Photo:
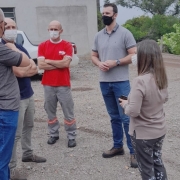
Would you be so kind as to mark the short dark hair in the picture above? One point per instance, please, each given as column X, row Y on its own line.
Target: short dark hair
column 115, row 9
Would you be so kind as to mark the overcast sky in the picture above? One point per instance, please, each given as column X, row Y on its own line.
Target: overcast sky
column 125, row 13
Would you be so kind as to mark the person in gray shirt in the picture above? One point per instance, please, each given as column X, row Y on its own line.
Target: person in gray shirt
column 112, row 51
column 9, row 99
column 26, row 109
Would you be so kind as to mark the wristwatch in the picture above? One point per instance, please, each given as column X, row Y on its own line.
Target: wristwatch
column 117, row 62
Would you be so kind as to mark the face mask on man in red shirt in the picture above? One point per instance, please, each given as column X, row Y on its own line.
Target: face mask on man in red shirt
column 54, row 34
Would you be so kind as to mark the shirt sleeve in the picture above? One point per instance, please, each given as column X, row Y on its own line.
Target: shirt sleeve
column 129, row 40
column 41, row 50
column 10, row 57
column 69, row 50
column 95, row 45
column 135, row 99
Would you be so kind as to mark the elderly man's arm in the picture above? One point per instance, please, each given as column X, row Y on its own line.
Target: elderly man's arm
column 28, row 71
column 25, row 59
column 64, row 63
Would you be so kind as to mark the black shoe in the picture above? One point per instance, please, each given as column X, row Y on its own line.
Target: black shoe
column 113, row 152
column 34, row 158
column 71, row 143
column 52, row 140
column 133, row 161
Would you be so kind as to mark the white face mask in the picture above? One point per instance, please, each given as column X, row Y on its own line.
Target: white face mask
column 134, row 59
column 10, row 35
column 54, row 34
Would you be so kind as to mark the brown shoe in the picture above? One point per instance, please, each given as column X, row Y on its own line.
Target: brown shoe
column 133, row 161
column 34, row 158
column 113, row 152
column 18, row 174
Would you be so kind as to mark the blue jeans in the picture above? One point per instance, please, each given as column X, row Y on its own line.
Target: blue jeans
column 111, row 91
column 8, row 125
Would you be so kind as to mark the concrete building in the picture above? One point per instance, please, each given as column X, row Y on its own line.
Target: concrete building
column 78, row 18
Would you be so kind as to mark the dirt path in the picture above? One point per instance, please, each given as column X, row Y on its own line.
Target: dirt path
column 171, row 60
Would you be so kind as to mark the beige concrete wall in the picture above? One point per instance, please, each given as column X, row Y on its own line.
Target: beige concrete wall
column 78, row 18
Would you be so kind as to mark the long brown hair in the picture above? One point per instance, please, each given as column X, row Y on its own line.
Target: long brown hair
column 150, row 60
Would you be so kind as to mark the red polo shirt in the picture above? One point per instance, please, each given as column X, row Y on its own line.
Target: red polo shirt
column 52, row 51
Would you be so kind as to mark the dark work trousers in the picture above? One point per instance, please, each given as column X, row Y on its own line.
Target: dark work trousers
column 148, row 155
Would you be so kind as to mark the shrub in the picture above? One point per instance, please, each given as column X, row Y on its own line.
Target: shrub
column 172, row 40
column 145, row 27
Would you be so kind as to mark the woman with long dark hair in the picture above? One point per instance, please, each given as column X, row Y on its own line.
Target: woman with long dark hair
column 145, row 108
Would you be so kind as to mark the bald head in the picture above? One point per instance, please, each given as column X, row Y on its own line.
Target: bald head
column 1, row 23
column 1, row 15
column 55, row 23
column 10, row 24
column 10, row 32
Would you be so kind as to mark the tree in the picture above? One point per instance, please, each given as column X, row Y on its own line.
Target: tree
column 145, row 27
column 154, row 7
column 99, row 20
column 139, row 27
column 161, row 25
column 99, row 16
column 172, row 40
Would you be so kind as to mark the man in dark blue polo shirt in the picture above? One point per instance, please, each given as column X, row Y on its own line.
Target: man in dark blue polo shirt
column 27, row 108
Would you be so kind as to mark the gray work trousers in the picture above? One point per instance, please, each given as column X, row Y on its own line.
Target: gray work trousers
column 24, row 129
column 61, row 94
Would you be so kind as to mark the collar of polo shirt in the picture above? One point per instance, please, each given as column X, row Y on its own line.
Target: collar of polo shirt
column 114, row 30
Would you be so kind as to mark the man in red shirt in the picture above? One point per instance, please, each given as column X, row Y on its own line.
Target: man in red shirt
column 54, row 56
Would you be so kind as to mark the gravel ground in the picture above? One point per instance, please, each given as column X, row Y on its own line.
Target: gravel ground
column 85, row 162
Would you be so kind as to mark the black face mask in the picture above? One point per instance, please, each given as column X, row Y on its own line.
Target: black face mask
column 107, row 20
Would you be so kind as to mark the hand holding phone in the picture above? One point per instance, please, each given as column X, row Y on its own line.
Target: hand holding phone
column 123, row 97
